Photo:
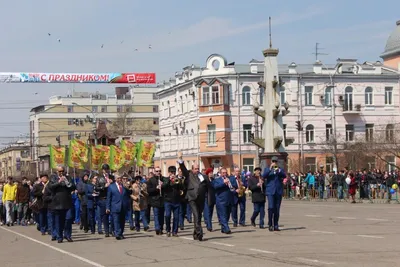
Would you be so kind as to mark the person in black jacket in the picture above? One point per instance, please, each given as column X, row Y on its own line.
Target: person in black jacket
column 257, row 188
column 173, row 189
column 81, row 187
column 38, row 192
column 61, row 202
column 209, row 202
column 156, row 199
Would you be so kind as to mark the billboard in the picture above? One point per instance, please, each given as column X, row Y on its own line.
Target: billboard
column 113, row 77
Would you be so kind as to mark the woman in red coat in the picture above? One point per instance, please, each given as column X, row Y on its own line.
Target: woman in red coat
column 352, row 187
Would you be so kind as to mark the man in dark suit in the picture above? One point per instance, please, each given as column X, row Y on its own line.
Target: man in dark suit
column 209, row 201
column 256, row 186
column 239, row 200
column 156, row 199
column 91, row 196
column 225, row 187
column 273, row 176
column 118, row 201
column 61, row 202
column 197, row 185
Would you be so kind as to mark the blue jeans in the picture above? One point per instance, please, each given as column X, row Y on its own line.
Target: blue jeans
column 140, row 215
column 129, row 217
column 91, row 214
column 43, row 221
column 51, row 224
column 340, row 192
column 174, row 209
column 143, row 217
column 259, row 209
column 158, row 218
column 60, row 217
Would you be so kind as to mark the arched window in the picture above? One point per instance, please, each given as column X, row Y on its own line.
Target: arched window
column 246, row 96
column 348, row 98
column 310, row 133
column 369, row 96
column 390, row 132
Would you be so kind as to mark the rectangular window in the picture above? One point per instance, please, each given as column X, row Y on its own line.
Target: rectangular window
column 328, row 131
column 282, row 96
column 328, row 96
column 248, row 164
column 329, row 164
column 349, row 132
column 70, row 121
column 368, row 96
column 390, row 163
column 155, row 121
column 155, row 96
column 103, row 108
column 70, row 135
column 155, row 109
column 369, row 132
column 215, row 95
column 70, row 109
column 308, row 96
column 119, row 108
column 211, row 134
column 226, row 95
column 128, row 109
column 206, row 96
column 388, row 96
column 246, row 133
column 370, row 163
column 310, row 164
column 94, row 109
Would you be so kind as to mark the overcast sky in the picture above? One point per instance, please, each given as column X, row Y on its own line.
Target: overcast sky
column 181, row 33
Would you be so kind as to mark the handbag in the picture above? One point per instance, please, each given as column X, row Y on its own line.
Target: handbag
column 36, row 204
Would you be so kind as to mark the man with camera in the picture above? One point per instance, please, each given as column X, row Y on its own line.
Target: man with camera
column 273, row 179
column 173, row 189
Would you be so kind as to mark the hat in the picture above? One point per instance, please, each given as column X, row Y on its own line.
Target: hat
column 208, row 171
column 257, row 169
column 274, row 158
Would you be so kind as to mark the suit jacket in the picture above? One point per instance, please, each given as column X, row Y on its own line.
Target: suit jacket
column 154, row 198
column 235, row 194
column 257, row 194
column 89, row 195
column 61, row 196
column 194, row 188
column 118, row 202
column 273, row 181
column 223, row 194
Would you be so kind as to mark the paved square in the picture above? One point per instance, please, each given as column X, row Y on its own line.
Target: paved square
column 313, row 234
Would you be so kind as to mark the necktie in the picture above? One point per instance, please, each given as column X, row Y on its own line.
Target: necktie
column 120, row 188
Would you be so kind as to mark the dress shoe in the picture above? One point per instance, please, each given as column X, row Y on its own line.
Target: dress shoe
column 59, row 241
column 182, row 228
column 175, row 235
column 146, row 229
column 118, row 238
column 200, row 237
column 276, row 229
column 209, row 229
column 107, row 235
column 235, row 225
column 157, row 232
column 53, row 239
column 229, row 232
column 123, row 237
column 70, row 240
column 271, row 228
column 253, row 224
column 101, row 233
column 243, row 224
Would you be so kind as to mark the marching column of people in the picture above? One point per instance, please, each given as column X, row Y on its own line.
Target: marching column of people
column 107, row 201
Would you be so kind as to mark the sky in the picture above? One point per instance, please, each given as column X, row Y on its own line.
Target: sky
column 180, row 33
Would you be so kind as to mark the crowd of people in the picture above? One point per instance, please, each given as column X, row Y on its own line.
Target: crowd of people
column 108, row 200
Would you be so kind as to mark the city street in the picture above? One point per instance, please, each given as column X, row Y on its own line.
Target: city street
column 313, row 234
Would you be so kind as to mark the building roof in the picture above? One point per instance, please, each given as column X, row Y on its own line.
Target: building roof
column 103, row 131
column 392, row 47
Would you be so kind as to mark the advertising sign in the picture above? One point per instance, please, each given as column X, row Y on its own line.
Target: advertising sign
column 113, row 77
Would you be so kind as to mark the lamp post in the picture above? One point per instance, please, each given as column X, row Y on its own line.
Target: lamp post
column 256, row 106
column 93, row 122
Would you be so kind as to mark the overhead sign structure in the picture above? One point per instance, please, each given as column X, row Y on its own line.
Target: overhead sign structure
column 113, row 77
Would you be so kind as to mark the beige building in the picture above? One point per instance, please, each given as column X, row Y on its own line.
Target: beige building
column 131, row 111
column 15, row 160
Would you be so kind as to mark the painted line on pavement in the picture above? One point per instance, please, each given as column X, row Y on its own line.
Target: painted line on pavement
column 222, row 244
column 187, row 238
column 371, row 236
column 378, row 220
column 262, row 251
column 322, row 232
column 92, row 263
column 313, row 216
column 345, row 218
column 316, row 261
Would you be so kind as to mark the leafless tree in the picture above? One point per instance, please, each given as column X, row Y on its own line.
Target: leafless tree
column 126, row 124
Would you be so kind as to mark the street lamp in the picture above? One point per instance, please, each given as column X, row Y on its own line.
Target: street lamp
column 93, row 122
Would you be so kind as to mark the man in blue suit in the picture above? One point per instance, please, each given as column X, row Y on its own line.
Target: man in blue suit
column 239, row 200
column 224, row 189
column 118, row 201
column 273, row 177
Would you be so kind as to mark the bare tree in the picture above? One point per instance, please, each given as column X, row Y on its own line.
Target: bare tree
column 126, row 124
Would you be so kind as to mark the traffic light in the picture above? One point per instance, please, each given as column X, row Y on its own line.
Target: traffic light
column 298, row 126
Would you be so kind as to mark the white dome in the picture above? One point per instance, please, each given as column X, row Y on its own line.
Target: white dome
column 393, row 43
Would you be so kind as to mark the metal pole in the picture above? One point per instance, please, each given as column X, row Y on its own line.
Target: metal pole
column 301, row 123
column 333, row 119
column 256, row 135
column 239, row 126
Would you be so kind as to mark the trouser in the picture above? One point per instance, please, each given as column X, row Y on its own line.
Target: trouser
column 158, row 218
column 91, row 218
column 60, row 217
column 22, row 212
column 182, row 213
column 77, row 210
column 242, row 205
column 129, row 217
column 51, row 224
column 171, row 208
column 259, row 209
column 119, row 222
column 2, row 213
column 274, row 206
column 43, row 221
column 141, row 215
column 197, row 207
column 85, row 218
column 69, row 218
column 224, row 214
column 104, row 218
column 10, row 211
column 208, row 214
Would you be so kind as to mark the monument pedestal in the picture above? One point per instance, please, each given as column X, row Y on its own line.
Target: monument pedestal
column 265, row 159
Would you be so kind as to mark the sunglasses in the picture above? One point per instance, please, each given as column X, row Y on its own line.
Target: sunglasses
column 157, row 171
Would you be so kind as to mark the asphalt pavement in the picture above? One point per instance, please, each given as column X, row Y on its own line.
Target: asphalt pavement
column 313, row 234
